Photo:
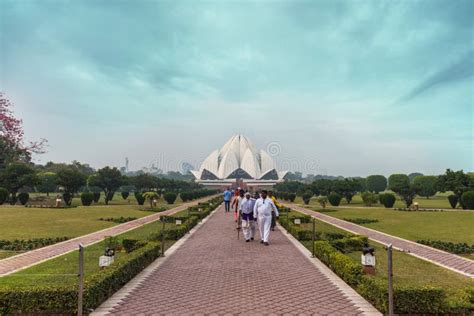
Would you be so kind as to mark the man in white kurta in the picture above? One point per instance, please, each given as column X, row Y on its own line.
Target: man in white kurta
column 246, row 210
column 263, row 212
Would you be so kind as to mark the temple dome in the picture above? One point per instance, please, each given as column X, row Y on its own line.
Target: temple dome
column 238, row 159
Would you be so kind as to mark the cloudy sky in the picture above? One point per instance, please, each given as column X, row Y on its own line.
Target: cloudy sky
column 337, row 87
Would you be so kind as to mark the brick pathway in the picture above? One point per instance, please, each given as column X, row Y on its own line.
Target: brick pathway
column 30, row 258
column 214, row 273
column 444, row 259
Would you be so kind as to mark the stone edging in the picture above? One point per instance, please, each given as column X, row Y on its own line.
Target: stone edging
column 346, row 290
column 106, row 307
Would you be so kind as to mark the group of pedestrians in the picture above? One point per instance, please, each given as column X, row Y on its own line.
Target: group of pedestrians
column 259, row 209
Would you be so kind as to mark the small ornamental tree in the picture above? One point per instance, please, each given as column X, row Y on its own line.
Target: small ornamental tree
column 387, row 199
column 87, row 198
column 456, row 181
column 334, row 199
column 108, row 179
column 96, row 196
column 139, row 197
column 67, row 197
column 369, row 198
column 291, row 197
column 17, row 175
column 376, row 183
column 307, row 197
column 425, row 185
column 3, row 195
column 23, row 197
column 150, row 196
column 400, row 184
column 170, row 197
column 48, row 182
column 468, row 200
column 323, row 201
column 71, row 180
column 125, row 195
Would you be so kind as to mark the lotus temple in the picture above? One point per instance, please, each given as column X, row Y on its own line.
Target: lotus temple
column 238, row 164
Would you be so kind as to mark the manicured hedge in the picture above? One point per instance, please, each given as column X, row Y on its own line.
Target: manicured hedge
column 119, row 220
column 408, row 300
column 457, row 248
column 361, row 220
column 29, row 244
column 349, row 244
column 342, row 265
column 99, row 287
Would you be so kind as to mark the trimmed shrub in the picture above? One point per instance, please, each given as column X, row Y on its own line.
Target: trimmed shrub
column 291, row 197
column 333, row 236
column 334, row 199
column 67, row 197
column 359, row 221
column 387, row 199
column 453, row 200
column 467, row 199
column 170, row 197
column 307, row 197
column 457, row 248
column 140, row 198
column 350, row 271
column 23, row 197
column 369, row 198
column 132, row 244
column 87, row 198
column 30, row 244
column 125, row 195
column 349, row 244
column 118, row 220
column 408, row 300
column 96, row 197
column 3, row 195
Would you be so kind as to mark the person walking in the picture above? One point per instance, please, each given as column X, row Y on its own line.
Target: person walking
column 237, row 203
column 262, row 210
column 227, row 198
column 278, row 206
column 246, row 210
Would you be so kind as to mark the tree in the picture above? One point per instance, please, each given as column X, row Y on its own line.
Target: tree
column 453, row 200
column 413, row 175
column 346, row 188
column 125, row 194
column 456, row 181
column 151, row 196
column 323, row 200
column 400, row 184
column 17, row 175
column 3, row 195
column 170, row 197
column 376, row 183
column 12, row 147
column 48, row 182
column 307, row 197
column 369, row 198
column 144, row 182
column 71, row 180
column 322, row 186
column 108, row 179
column 87, row 198
column 425, row 185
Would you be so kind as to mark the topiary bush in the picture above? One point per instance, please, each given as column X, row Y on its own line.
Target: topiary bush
column 453, row 200
column 307, row 197
column 132, row 244
column 23, row 197
column 291, row 197
column 3, row 195
column 467, row 199
column 170, row 197
column 125, row 195
column 87, row 198
column 334, row 199
column 140, row 198
column 369, row 198
column 96, row 197
column 67, row 197
column 387, row 199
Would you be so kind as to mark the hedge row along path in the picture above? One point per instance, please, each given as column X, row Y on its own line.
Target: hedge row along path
column 444, row 259
column 213, row 273
column 31, row 258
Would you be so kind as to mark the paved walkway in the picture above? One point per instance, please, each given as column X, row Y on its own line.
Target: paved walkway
column 30, row 258
column 444, row 259
column 213, row 273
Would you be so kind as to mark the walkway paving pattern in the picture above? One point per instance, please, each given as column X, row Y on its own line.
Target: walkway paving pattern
column 214, row 273
column 447, row 260
column 27, row 259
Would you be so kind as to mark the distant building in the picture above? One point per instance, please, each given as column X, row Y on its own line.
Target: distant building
column 238, row 163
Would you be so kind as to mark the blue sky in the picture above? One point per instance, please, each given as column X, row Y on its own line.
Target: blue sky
column 344, row 87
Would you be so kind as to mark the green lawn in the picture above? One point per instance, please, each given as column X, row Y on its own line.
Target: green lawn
column 454, row 226
column 408, row 270
column 62, row 270
column 438, row 201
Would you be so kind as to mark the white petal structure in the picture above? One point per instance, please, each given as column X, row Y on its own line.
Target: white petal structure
column 238, row 159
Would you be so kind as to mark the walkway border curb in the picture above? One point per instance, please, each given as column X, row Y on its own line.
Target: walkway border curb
column 106, row 307
column 347, row 291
